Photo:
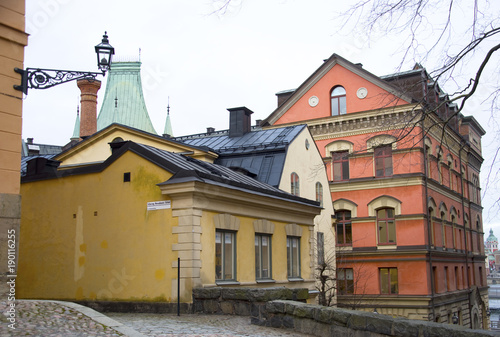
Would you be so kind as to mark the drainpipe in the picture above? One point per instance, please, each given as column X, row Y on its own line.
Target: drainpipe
column 429, row 220
column 463, row 143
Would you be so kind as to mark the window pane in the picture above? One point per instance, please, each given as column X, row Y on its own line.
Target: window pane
column 289, row 256
column 345, row 170
column 342, row 105
column 390, row 212
column 228, row 256
column 257, row 257
column 218, row 255
column 388, row 166
column 391, row 231
column 265, row 257
column 384, row 281
column 348, row 233
column 379, row 167
column 382, row 232
column 394, row 280
column 295, row 258
column 338, row 91
column 337, row 171
column 335, row 106
column 340, row 233
column 381, row 213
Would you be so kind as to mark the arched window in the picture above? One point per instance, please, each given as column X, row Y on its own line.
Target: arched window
column 319, row 193
column 338, row 101
column 295, row 187
column 386, row 226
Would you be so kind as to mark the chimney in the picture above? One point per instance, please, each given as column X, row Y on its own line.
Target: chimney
column 210, row 130
column 88, row 116
column 239, row 121
column 284, row 95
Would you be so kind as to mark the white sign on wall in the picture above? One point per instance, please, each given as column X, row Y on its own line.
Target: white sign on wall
column 155, row 205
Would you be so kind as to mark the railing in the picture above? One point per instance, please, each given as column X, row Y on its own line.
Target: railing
column 494, row 293
column 495, row 325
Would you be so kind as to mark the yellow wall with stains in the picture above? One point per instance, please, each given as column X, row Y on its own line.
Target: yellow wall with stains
column 90, row 236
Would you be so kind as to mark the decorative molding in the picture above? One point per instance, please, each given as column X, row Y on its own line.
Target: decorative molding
column 340, row 204
column 339, row 145
column 293, row 230
column 263, row 226
column 226, row 221
column 384, row 201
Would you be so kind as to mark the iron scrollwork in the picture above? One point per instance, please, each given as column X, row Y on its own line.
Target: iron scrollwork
column 36, row 78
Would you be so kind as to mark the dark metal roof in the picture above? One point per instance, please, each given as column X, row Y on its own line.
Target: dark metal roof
column 184, row 168
column 39, row 149
column 26, row 159
column 260, row 152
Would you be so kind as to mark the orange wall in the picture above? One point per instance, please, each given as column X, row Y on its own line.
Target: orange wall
column 351, row 82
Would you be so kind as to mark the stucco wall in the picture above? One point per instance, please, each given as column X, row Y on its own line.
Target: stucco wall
column 13, row 39
column 91, row 236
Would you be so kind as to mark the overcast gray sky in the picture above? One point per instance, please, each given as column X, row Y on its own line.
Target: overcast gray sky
column 207, row 62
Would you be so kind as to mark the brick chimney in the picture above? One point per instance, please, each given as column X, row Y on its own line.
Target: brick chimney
column 239, row 121
column 88, row 115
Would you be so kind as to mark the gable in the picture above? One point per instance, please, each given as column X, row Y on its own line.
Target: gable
column 96, row 148
column 336, row 72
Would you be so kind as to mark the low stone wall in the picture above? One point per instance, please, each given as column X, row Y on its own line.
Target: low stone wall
column 327, row 321
column 143, row 307
column 242, row 301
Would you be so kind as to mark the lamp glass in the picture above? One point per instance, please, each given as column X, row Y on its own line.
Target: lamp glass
column 104, row 53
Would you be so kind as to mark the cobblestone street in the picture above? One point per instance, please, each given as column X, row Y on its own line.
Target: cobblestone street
column 55, row 318
column 197, row 325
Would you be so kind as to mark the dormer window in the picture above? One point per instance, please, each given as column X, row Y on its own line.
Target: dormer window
column 338, row 101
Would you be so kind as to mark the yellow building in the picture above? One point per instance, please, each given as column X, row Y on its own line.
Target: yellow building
column 109, row 222
column 13, row 39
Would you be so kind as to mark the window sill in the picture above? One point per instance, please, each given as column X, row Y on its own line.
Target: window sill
column 295, row 279
column 227, row 283
column 390, row 246
column 265, row 281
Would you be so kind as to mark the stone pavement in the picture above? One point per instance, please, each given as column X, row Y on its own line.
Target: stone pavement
column 56, row 318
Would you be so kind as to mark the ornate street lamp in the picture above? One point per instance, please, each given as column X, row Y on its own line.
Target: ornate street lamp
column 37, row 78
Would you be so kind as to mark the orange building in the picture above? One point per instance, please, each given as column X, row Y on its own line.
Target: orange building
column 405, row 190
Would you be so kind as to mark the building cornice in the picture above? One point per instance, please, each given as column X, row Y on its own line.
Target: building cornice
column 206, row 196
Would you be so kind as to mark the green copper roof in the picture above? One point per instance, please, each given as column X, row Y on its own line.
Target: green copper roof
column 168, row 126
column 76, row 130
column 123, row 101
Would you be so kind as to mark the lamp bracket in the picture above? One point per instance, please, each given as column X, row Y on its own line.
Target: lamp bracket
column 36, row 78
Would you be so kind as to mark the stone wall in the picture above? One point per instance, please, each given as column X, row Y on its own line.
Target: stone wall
column 327, row 321
column 242, row 301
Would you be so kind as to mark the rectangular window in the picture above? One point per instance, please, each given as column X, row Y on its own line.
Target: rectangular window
column 386, row 226
column 344, row 228
column 388, row 280
column 446, row 279
column 340, row 162
column 345, row 281
column 383, row 161
column 456, row 279
column 321, row 248
column 225, row 255
column 263, row 256
column 293, row 256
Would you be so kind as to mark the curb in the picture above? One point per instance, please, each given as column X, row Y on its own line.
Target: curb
column 98, row 317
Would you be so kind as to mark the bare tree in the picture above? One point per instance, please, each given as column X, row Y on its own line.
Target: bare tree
column 458, row 39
